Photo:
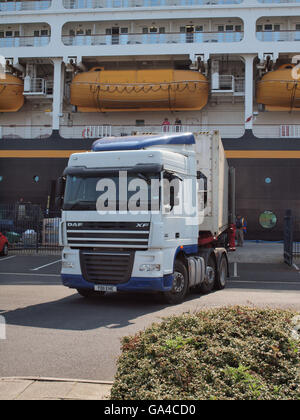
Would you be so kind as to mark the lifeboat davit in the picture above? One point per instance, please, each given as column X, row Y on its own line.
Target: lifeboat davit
column 11, row 93
column 101, row 90
column 279, row 90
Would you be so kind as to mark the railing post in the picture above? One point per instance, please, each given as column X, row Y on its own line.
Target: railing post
column 288, row 238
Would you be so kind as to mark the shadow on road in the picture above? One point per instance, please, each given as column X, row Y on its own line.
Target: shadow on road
column 115, row 310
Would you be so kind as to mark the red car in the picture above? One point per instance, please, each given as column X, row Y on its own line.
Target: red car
column 3, row 245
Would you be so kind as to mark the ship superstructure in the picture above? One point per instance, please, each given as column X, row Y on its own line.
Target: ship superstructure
column 76, row 70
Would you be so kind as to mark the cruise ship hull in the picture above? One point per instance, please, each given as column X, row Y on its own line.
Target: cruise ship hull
column 267, row 178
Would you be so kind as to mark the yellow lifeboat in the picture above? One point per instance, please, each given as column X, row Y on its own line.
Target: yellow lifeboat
column 279, row 90
column 101, row 90
column 11, row 93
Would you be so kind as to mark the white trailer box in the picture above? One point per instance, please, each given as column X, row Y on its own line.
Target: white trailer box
column 211, row 161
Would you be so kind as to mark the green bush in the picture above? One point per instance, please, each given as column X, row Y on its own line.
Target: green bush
column 234, row 353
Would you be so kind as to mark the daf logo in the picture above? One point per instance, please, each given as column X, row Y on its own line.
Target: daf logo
column 74, row 224
column 142, row 225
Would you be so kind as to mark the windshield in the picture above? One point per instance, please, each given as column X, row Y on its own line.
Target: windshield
column 113, row 192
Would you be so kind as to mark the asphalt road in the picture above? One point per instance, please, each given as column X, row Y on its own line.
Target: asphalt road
column 51, row 331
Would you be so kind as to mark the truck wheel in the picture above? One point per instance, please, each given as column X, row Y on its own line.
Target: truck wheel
column 87, row 293
column 180, row 284
column 211, row 274
column 220, row 282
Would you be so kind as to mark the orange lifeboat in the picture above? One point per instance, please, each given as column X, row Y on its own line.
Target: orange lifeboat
column 278, row 90
column 101, row 90
column 11, row 93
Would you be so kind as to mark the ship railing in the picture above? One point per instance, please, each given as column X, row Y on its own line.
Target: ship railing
column 290, row 131
column 239, row 84
column 277, row 36
column 24, row 41
column 276, row 130
column 16, row 6
column 37, row 86
column 93, row 132
column 151, row 38
column 94, row 4
column 25, row 131
column 278, row 1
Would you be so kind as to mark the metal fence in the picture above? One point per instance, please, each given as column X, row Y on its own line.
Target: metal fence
column 291, row 238
column 29, row 228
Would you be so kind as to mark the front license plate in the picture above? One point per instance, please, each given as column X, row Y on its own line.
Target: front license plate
column 104, row 288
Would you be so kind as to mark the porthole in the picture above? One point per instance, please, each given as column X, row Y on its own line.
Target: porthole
column 268, row 180
column 1, row 178
column 267, row 219
column 36, row 178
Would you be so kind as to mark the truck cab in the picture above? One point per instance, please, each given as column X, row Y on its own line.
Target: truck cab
column 132, row 218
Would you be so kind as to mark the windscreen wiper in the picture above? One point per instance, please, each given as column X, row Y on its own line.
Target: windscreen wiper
column 83, row 203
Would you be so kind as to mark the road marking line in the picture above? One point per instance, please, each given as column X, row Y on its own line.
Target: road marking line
column 30, row 274
column 7, row 258
column 263, row 282
column 46, row 265
column 296, row 267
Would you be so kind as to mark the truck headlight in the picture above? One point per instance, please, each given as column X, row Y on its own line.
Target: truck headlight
column 149, row 267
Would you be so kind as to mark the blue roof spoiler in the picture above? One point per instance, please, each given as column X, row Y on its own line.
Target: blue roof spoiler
column 108, row 144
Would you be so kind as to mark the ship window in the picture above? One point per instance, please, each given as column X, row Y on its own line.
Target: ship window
column 199, row 29
column 17, row 33
column 71, row 32
column 297, row 26
column 267, row 219
column 238, row 28
column 268, row 27
column 162, row 30
column 8, row 34
column 268, row 180
column 140, row 123
column 44, row 32
column 1, row 178
column 124, row 30
column 36, row 178
column 108, row 31
column 152, row 29
column 229, row 28
column 276, row 27
column 36, row 33
column 88, row 32
column 259, row 28
column 221, row 28
column 1, row 34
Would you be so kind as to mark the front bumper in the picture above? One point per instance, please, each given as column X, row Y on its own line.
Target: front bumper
column 162, row 284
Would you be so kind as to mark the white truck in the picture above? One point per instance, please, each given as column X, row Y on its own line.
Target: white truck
column 148, row 213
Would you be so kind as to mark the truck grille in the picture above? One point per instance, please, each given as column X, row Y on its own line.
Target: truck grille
column 133, row 235
column 106, row 267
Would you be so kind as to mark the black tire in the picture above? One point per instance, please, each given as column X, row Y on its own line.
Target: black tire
column 211, row 274
column 222, row 274
column 180, row 285
column 88, row 293
column 4, row 251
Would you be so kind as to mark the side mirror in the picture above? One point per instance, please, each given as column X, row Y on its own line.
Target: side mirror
column 59, row 192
